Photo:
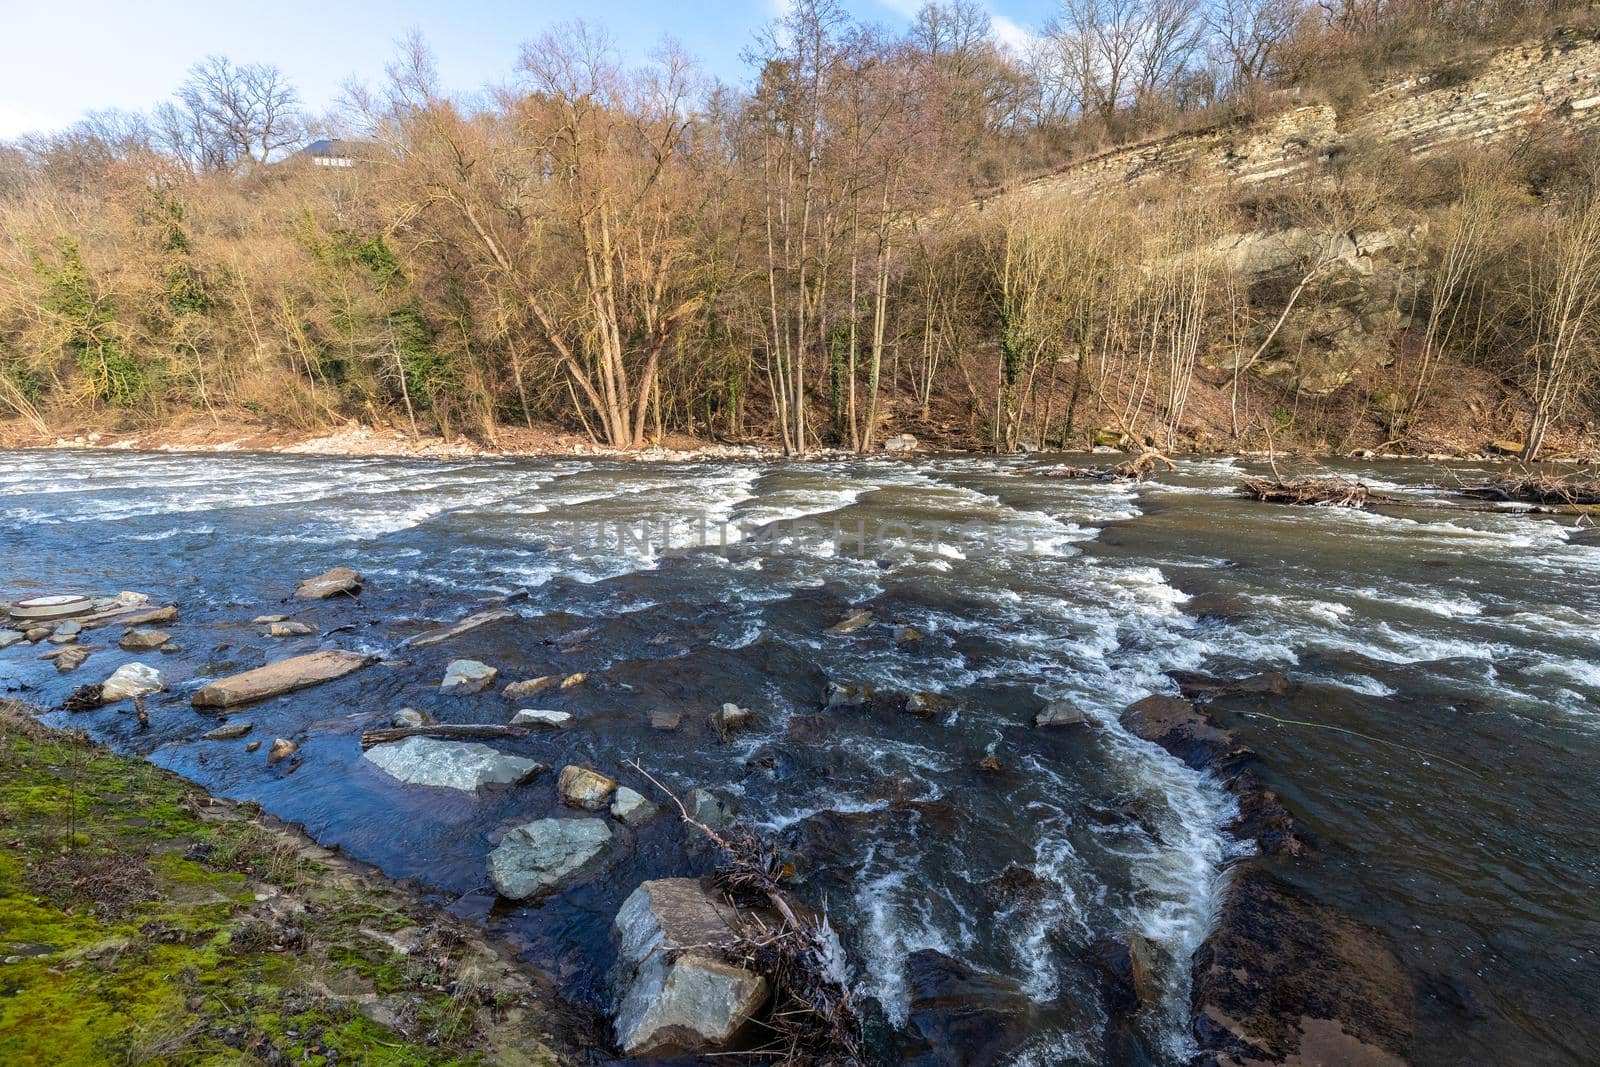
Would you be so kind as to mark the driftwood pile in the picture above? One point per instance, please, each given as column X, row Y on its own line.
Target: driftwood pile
column 1538, row 489
column 1136, row 469
column 1315, row 492
column 813, row 1017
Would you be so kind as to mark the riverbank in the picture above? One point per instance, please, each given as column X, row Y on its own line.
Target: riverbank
column 146, row 921
column 359, row 440
column 356, row 439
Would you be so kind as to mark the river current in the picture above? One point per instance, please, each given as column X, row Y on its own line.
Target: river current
column 1441, row 745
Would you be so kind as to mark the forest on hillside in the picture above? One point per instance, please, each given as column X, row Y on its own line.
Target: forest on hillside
column 818, row 258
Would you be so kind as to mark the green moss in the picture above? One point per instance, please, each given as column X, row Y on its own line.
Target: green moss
column 203, row 972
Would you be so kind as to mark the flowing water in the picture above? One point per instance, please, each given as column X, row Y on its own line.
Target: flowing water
column 1457, row 653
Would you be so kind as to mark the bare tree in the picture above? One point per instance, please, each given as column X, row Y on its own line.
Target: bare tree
column 226, row 115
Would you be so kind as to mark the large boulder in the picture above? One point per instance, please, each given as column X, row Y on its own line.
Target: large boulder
column 132, row 680
column 340, row 581
column 673, row 995
column 534, row 858
column 1287, row 979
column 466, row 676
column 467, row 766
column 961, row 1015
column 285, row 676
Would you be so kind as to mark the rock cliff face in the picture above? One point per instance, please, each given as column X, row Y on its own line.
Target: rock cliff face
column 1479, row 100
column 1360, row 288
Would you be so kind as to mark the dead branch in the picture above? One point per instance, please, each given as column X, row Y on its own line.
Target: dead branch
column 448, row 731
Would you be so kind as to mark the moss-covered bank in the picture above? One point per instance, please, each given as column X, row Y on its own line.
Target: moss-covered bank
column 142, row 921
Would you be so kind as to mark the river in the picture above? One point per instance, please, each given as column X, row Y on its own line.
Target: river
column 1454, row 653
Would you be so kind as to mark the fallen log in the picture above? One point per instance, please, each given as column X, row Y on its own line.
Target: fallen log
column 441, row 731
column 1314, row 492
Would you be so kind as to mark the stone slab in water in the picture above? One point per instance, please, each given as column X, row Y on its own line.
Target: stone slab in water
column 285, row 676
column 536, row 857
column 468, row 676
column 460, row 765
column 466, row 625
column 340, row 581
column 695, row 1003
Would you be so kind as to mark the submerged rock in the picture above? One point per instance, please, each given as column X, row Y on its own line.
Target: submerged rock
column 1179, row 727
column 144, row 640
column 666, row 719
column 731, row 718
column 574, row 679
column 585, row 788
column 132, row 680
column 706, row 807
column 1194, row 685
column 960, row 1015
column 229, row 732
column 282, row 748
column 290, row 628
column 409, row 718
column 466, row 766
column 70, row 659
column 1286, row 979
column 673, row 996
column 840, row 695
column 1060, row 713
column 927, row 705
column 285, row 676
column 522, row 690
column 340, row 581
column 856, row 620
column 631, row 807
column 907, row 635
column 536, row 857
column 559, row 720
column 466, row 676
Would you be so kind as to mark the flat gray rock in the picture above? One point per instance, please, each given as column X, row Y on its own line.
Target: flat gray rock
column 558, row 720
column 465, row 676
column 462, row 765
column 535, row 858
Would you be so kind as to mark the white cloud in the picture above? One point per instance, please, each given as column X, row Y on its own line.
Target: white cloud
column 1011, row 33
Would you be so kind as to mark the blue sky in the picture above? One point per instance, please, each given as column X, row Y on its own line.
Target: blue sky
column 59, row 59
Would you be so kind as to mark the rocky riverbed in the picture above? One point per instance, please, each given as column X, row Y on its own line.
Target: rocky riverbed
column 1082, row 772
